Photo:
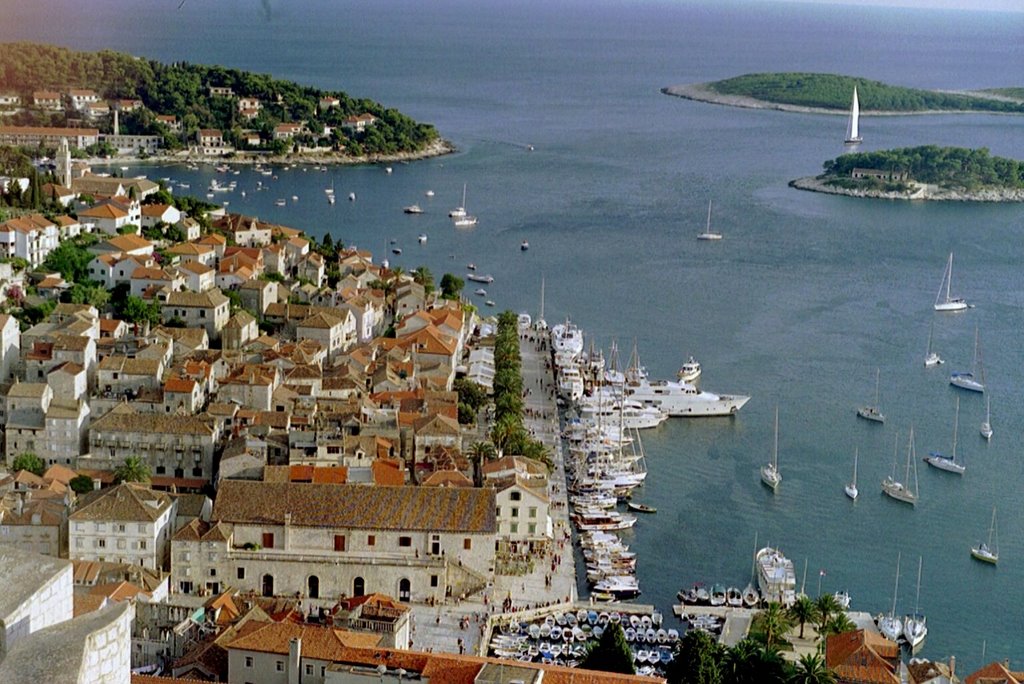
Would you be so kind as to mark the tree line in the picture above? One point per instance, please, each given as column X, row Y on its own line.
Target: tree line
column 182, row 89
column 832, row 91
column 950, row 167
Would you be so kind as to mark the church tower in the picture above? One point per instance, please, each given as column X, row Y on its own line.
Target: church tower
column 64, row 163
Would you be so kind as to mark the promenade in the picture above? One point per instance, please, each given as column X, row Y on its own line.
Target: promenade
column 460, row 625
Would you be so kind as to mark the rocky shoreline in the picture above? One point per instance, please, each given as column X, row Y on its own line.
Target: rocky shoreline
column 921, row 192
column 701, row 92
column 438, row 148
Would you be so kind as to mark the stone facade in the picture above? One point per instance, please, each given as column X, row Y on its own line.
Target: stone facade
column 125, row 524
column 38, row 592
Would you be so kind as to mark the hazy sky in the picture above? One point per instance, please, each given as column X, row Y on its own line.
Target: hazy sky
column 992, row 5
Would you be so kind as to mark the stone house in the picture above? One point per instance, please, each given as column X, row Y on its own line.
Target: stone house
column 128, row 523
column 209, row 309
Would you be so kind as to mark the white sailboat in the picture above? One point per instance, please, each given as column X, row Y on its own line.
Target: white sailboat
column 890, row 625
column 974, row 380
column 930, row 357
column 853, row 136
column 988, row 552
column 851, row 488
column 944, row 301
column 915, row 625
column 901, row 491
column 871, row 412
column 948, row 463
column 709, row 234
column 460, row 217
column 770, row 474
column 986, row 426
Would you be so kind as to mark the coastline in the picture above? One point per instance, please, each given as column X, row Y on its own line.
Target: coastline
column 438, row 148
column 700, row 92
column 923, row 192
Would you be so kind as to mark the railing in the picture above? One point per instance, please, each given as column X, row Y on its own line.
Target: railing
column 339, row 557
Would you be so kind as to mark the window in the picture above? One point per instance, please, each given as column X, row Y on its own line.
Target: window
column 268, row 540
column 467, row 544
column 339, row 542
column 279, row 666
column 79, row 527
column 119, row 527
column 497, row 512
column 532, row 527
column 240, row 573
column 197, row 471
column 515, row 496
column 533, row 511
column 202, row 313
column 405, row 541
column 514, row 528
column 433, row 581
column 142, row 544
column 309, row 670
column 213, row 572
column 101, row 543
column 515, row 512
column 248, row 661
column 358, row 586
column 121, row 543
column 313, row 587
column 371, row 540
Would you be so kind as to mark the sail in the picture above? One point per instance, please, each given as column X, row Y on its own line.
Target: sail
column 853, row 125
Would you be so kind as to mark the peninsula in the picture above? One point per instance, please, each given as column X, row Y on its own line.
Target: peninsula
column 131, row 107
column 812, row 93
column 927, row 172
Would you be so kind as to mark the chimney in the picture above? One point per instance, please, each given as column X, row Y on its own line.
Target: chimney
column 294, row 658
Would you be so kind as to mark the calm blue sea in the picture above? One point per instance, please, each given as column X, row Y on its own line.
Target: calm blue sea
column 804, row 298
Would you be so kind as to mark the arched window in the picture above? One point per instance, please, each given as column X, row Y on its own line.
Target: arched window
column 358, row 587
column 268, row 585
column 313, row 587
column 404, row 590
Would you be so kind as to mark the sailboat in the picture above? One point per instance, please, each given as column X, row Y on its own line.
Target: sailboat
column 988, row 552
column 770, row 474
column 943, row 300
column 970, row 380
column 709, row 234
column 853, row 136
column 459, row 215
column 851, row 489
column 872, row 412
column 930, row 357
column 948, row 463
column 915, row 625
column 890, row 625
column 986, row 426
column 901, row 491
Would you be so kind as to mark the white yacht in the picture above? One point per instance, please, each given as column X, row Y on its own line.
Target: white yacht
column 944, row 301
column 570, row 383
column 689, row 371
column 776, row 577
column 567, row 337
column 680, row 398
column 948, row 463
column 634, row 415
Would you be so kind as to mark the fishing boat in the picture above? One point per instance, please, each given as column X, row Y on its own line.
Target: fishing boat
column 853, row 136
column 871, row 412
column 901, row 491
column 851, row 488
column 986, row 425
column 948, row 463
column 709, row 234
column 943, row 300
column 689, row 371
column 890, row 625
column 973, row 380
column 988, row 552
column 641, row 508
column 413, row 209
column 930, row 357
column 915, row 625
column 770, row 474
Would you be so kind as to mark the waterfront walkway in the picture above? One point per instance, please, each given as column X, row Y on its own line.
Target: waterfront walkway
column 460, row 625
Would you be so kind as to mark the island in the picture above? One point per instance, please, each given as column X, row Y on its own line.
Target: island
column 928, row 172
column 114, row 104
column 813, row 93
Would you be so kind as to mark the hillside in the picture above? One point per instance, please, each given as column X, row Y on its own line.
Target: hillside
column 183, row 90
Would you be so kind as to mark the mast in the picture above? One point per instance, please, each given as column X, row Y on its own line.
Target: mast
column 949, row 278
column 878, row 375
column 856, row 452
column 977, row 356
column 708, row 229
column 956, row 423
column 895, row 455
column 931, row 331
column 775, row 448
column 463, row 195
column 895, row 590
column 542, row 298
column 753, row 561
column 917, row 599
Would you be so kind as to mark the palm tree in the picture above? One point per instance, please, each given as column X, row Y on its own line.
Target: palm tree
column 802, row 610
column 838, row 624
column 775, row 622
column 750, row 662
column 811, row 669
column 134, row 469
column 424, row 277
column 478, row 453
column 825, row 606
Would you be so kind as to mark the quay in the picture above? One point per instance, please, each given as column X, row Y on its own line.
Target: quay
column 461, row 624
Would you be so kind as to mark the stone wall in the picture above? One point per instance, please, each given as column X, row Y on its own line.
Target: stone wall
column 51, row 603
column 107, row 655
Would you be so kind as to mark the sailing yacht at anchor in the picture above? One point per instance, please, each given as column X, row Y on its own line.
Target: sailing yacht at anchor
column 948, row 302
column 853, row 136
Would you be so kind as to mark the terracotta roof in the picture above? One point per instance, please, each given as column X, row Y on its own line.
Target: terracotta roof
column 447, row 478
column 318, row 475
column 180, row 385
column 357, row 506
column 190, row 249
column 199, row 530
column 104, row 211
column 206, row 300
column 126, row 243
column 319, row 643
column 994, row 673
column 125, row 502
column 862, row 656
column 125, row 419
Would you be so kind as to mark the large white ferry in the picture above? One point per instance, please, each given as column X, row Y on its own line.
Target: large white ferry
column 775, row 576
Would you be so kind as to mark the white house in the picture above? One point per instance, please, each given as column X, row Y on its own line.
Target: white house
column 128, row 523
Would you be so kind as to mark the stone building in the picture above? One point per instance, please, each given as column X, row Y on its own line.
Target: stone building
column 128, row 523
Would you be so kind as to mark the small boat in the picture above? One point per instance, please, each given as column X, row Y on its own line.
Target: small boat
column 750, row 596
column 973, row 380
column 459, row 211
column 480, row 278
column 853, row 124
column 770, row 474
column 889, row 625
column 421, row 238
column 396, row 250
column 429, row 193
column 413, row 209
column 351, row 197
column 480, row 292
column 489, row 302
column 466, row 221
column 988, row 552
column 915, row 625
column 280, row 202
column 709, row 234
column 388, row 169
column 901, row 491
column 718, row 595
column 330, row 199
column 948, row 463
column 986, row 426
column 471, row 267
column 733, row 597
column 871, row 412
column 851, row 489
column 930, row 357
column 641, row 508
column 524, row 245
column 295, row 198
column 842, row 599
column 689, row 372
column 943, row 300
column 703, row 595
